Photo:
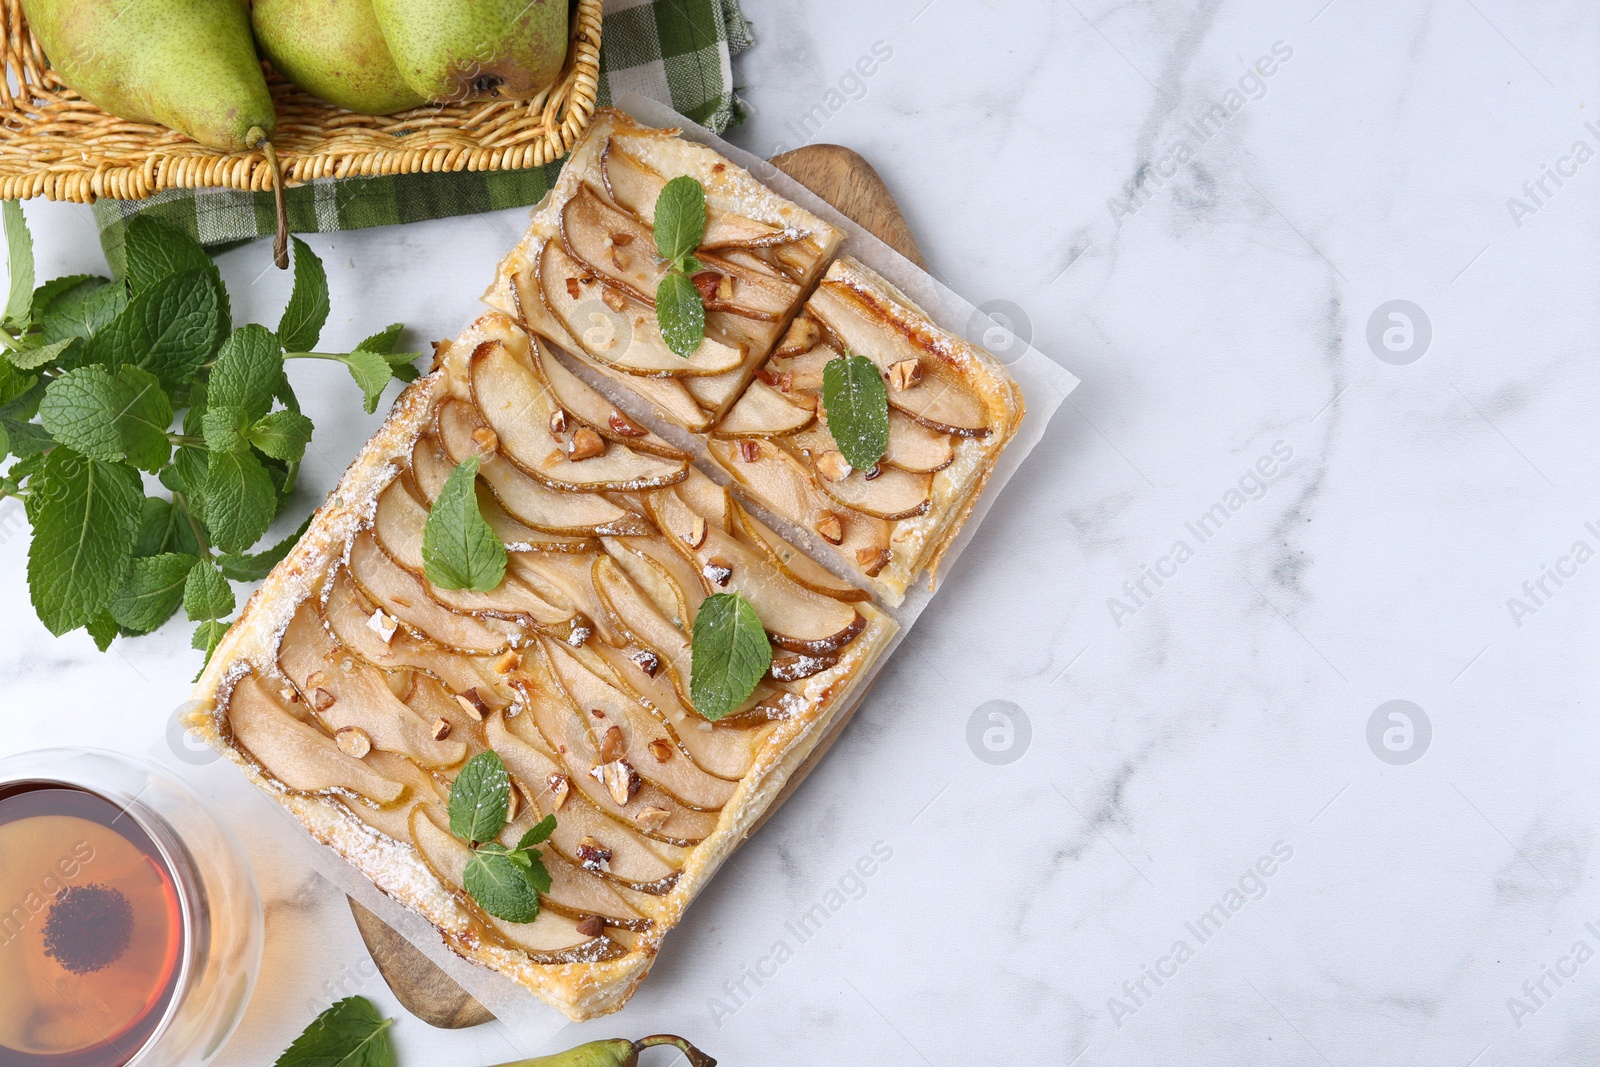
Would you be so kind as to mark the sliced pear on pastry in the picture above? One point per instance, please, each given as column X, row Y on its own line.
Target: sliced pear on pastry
column 634, row 185
column 915, row 447
column 892, row 494
column 637, row 619
column 636, row 345
column 612, row 244
column 795, row 564
column 421, row 789
column 580, row 400
column 403, row 596
column 295, row 753
column 663, row 574
column 518, row 407
column 346, row 695
column 763, row 412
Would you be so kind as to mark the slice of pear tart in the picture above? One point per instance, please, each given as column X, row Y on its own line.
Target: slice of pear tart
column 952, row 409
column 353, row 690
column 586, row 273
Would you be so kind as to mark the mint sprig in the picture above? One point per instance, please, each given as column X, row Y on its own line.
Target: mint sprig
column 459, row 549
column 680, row 220
column 93, row 377
column 857, row 407
column 505, row 882
column 349, row 1034
column 729, row 655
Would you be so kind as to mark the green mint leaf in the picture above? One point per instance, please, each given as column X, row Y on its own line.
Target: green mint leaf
column 208, row 635
column 152, row 591
column 103, row 629
column 153, row 250
column 164, row 527
column 47, row 292
column 207, row 594
column 38, row 356
column 459, row 550
column 680, row 218
column 537, row 834
column 349, row 1034
column 169, row 329
column 108, row 416
column 24, row 439
column 307, row 310
column 857, row 408
column 240, row 500
column 681, row 314
column 248, row 372
column 281, row 435
column 19, row 257
column 252, row 568
column 502, row 887
column 383, row 341
column 187, row 475
column 224, row 428
column 479, row 799
column 85, row 516
column 372, row 373
column 729, row 654
column 83, row 311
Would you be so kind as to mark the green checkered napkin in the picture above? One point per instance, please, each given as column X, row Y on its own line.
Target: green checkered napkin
column 678, row 51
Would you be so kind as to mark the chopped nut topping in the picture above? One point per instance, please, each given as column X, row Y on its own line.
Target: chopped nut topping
column 619, row 778
column 620, row 260
column 831, row 529
column 289, row 695
column 873, row 473
column 347, row 665
column 612, row 745
column 593, row 926
column 905, row 374
column 558, row 422
column 749, row 450
column 441, row 729
column 661, row 749
column 559, row 788
column 321, row 699
column 872, row 560
column 613, row 299
column 554, row 458
column 786, row 382
column 767, row 376
column 621, row 424
column 572, row 288
column 622, row 240
column 696, row 535
column 382, row 625
column 718, row 571
column 803, row 399
column 487, row 440
column 646, row 661
column 507, row 661
column 833, row 466
column 586, row 444
column 718, row 168
column 651, row 818
column 472, row 704
column 593, row 855
column 802, row 337
column 352, row 741
column 314, row 679
column 706, row 283
column 725, row 287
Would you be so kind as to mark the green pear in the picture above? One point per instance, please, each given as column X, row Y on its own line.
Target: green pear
column 189, row 65
column 333, row 49
column 455, row 50
column 617, row 1052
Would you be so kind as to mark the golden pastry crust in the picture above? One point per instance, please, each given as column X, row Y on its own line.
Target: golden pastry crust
column 581, row 990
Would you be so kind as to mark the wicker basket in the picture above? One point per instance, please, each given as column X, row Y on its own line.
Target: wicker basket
column 54, row 144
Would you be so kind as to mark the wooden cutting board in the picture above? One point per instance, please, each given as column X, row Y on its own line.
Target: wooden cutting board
column 848, row 182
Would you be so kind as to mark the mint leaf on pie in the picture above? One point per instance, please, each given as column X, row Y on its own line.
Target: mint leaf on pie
column 479, row 799
column 857, row 408
column 349, row 1034
column 85, row 515
column 152, row 591
column 459, row 550
column 538, row 833
column 680, row 218
column 502, row 887
column 681, row 314
column 307, row 310
column 19, row 257
column 729, row 654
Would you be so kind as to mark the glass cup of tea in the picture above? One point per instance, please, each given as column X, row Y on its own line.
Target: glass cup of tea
column 130, row 922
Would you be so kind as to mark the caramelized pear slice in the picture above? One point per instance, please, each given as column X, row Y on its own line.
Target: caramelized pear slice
column 296, row 753
column 634, row 185
column 580, row 400
column 349, row 695
column 664, row 576
column 431, row 701
column 421, row 789
column 637, row 619
column 570, row 575
column 763, row 412
column 914, row 447
column 550, row 938
column 403, row 596
column 708, row 499
column 941, row 402
column 635, row 860
column 794, row 563
column 892, row 494
column 612, row 244
column 793, row 667
column 575, row 889
column 519, row 407
column 675, row 774
column 643, row 351
column 794, row 617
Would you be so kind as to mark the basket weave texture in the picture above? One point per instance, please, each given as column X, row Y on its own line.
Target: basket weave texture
column 55, row 144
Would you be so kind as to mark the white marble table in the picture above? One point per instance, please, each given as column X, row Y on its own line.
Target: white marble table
column 1366, row 513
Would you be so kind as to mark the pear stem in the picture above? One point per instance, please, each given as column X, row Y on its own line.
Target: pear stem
column 695, row 1056
column 280, row 241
